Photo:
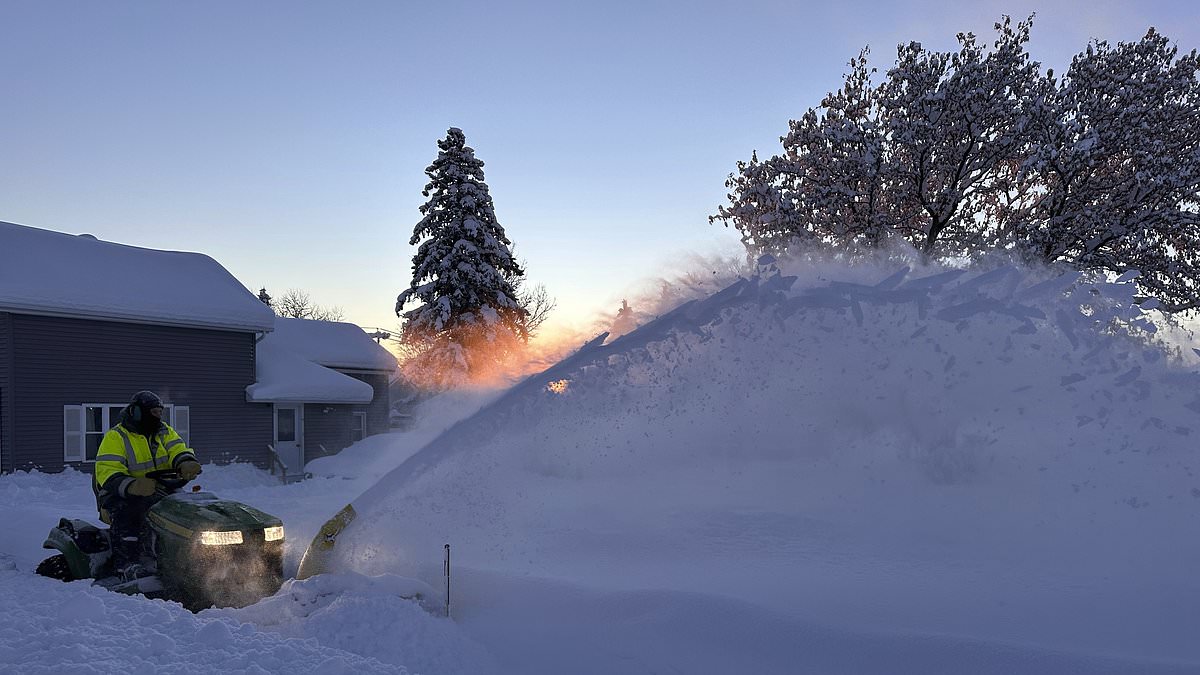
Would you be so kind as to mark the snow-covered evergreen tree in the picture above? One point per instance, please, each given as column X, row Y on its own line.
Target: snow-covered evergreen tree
column 469, row 317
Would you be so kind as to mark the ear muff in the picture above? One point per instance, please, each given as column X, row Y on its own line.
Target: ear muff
column 135, row 412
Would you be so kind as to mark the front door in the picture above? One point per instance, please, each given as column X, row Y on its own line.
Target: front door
column 289, row 437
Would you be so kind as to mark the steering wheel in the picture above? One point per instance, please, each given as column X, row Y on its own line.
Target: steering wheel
column 168, row 478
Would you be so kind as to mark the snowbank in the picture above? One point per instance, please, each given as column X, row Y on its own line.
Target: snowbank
column 994, row 456
column 50, row 627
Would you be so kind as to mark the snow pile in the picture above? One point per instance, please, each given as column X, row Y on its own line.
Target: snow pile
column 32, row 503
column 997, row 456
column 235, row 476
column 50, row 627
column 371, row 616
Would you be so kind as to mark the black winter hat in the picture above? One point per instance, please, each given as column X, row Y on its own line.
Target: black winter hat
column 138, row 416
column 146, row 400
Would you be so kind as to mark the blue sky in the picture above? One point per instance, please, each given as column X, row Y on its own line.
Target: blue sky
column 288, row 140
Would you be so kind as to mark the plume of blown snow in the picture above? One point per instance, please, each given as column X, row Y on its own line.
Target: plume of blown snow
column 935, row 420
column 697, row 275
column 377, row 455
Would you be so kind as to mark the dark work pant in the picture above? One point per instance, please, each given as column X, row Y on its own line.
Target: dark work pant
column 128, row 515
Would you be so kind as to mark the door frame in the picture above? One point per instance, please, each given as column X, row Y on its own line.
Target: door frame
column 299, row 408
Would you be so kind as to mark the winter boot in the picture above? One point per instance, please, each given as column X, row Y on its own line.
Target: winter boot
column 133, row 572
column 126, row 559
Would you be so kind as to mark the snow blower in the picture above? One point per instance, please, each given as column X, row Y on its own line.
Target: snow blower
column 199, row 550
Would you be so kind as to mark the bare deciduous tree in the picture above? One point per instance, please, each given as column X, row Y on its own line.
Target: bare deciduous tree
column 296, row 304
column 1117, row 155
column 969, row 152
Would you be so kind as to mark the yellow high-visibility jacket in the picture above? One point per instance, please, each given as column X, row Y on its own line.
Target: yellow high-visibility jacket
column 125, row 455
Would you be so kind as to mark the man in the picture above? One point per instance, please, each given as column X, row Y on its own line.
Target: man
column 141, row 443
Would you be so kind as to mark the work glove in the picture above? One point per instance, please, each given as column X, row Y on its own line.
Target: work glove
column 189, row 469
column 141, row 487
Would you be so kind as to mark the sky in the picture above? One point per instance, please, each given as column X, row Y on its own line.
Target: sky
column 288, row 140
column 852, row 471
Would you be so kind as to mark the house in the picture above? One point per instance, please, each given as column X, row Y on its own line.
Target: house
column 328, row 384
column 86, row 323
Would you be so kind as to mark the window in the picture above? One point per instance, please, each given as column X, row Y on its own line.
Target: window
column 285, row 425
column 180, row 419
column 84, row 427
column 97, row 420
column 73, row 433
column 358, row 427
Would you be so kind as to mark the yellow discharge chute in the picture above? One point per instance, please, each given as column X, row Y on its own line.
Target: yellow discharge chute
column 316, row 558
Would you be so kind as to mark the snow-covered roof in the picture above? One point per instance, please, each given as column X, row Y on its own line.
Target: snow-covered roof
column 284, row 376
column 295, row 363
column 332, row 344
column 53, row 273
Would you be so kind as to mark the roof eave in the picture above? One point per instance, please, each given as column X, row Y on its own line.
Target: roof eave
column 301, row 399
column 99, row 316
column 357, row 368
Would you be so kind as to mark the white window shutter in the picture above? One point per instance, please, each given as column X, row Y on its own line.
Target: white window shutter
column 73, row 433
column 181, row 421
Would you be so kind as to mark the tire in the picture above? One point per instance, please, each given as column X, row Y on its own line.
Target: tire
column 56, row 567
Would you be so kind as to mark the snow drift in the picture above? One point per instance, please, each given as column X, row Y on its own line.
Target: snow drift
column 1001, row 456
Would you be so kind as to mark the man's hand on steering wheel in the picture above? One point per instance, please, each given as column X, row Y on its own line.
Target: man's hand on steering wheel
column 189, row 469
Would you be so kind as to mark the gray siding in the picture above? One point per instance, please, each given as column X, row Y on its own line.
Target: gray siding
column 329, row 429
column 61, row 361
column 6, row 444
column 332, row 430
column 378, row 409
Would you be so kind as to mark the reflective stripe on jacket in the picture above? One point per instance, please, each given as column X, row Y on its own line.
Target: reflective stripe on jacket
column 125, row 455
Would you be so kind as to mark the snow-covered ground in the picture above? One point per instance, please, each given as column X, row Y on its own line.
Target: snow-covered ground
column 859, row 470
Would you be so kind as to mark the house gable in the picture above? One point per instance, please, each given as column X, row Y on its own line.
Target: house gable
column 336, row 370
column 56, row 274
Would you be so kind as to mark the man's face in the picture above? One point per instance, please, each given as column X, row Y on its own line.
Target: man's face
column 157, row 412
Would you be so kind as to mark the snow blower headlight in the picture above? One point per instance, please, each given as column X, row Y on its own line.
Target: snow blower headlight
column 220, row 538
column 273, row 533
